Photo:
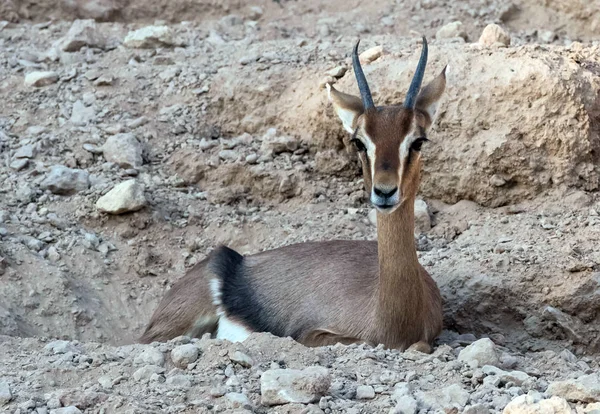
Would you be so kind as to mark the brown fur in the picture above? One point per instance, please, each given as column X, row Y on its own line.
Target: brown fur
column 322, row 293
column 186, row 309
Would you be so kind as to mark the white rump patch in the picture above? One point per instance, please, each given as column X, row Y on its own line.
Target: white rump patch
column 215, row 290
column 231, row 331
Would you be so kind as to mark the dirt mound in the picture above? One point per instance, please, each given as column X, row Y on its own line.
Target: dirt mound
column 482, row 149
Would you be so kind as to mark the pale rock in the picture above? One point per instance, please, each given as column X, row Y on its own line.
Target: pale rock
column 480, row 353
column 157, row 378
column 365, row 392
column 217, row 392
column 105, row 382
column 40, row 79
column 533, row 403
column 53, row 402
column 82, row 115
column 35, row 244
column 169, row 74
column 92, row 148
column 593, row 408
column 228, row 154
column 422, row 217
column 82, row 33
column 493, row 34
column 145, row 372
column 36, row 130
column 53, row 254
column 91, row 241
column 246, row 60
column 19, row 164
column 150, row 356
column 125, row 197
column 547, row 36
column 337, row 72
column 150, row 37
column 61, row 347
column 273, row 144
column 215, row 38
column 586, row 388
column 447, row 399
column 405, row 405
column 255, row 13
column 66, row 410
column 476, row 409
column 401, row 389
column 26, row 151
column 104, row 80
column 283, row 386
column 371, row 55
column 237, row 400
column 183, row 355
column 451, row 30
column 252, row 158
column 5, row 394
column 24, row 193
column 206, row 144
column 138, row 122
column 516, row 377
column 64, row 181
column 124, row 150
column 179, row 381
column 242, row 359
column 568, row 356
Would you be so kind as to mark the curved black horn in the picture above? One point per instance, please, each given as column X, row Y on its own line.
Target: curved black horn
column 415, row 85
column 363, row 86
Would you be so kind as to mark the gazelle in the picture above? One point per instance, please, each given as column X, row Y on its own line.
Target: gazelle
column 321, row 293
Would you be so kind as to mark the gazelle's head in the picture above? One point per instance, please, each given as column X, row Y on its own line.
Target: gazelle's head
column 389, row 138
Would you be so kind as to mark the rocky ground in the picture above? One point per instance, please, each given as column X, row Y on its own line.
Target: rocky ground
column 130, row 146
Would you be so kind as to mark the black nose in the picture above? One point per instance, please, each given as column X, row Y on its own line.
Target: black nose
column 385, row 193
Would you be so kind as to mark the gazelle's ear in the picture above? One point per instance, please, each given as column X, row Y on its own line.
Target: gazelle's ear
column 430, row 95
column 347, row 107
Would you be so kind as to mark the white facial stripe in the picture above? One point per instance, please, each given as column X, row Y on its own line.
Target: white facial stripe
column 405, row 151
column 370, row 146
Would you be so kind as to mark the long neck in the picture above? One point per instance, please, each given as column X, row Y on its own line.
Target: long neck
column 400, row 280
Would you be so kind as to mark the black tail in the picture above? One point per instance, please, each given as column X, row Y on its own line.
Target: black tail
column 239, row 299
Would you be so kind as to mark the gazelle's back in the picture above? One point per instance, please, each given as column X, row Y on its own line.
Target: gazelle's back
column 324, row 287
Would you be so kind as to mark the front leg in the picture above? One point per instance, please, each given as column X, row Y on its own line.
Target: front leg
column 324, row 337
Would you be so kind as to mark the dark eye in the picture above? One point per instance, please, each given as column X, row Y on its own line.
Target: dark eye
column 360, row 147
column 417, row 143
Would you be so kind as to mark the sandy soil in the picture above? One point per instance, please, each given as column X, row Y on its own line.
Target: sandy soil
column 510, row 179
